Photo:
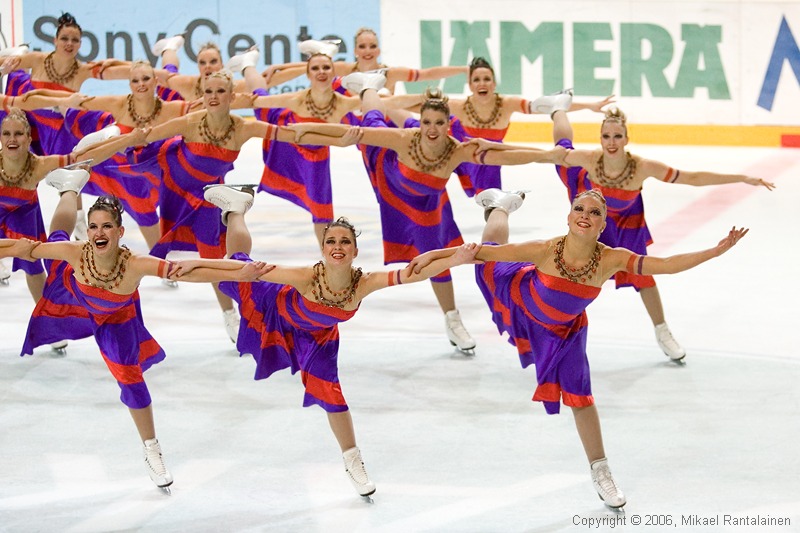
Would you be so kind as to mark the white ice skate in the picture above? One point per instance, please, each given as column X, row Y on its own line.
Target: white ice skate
column 168, row 43
column 232, row 319
column 15, row 51
column 354, row 466
column 668, row 344
column 229, row 199
column 313, row 46
column 357, row 82
column 605, row 486
column 496, row 199
column 239, row 62
column 457, row 333
column 5, row 273
column 81, row 231
column 154, row 462
column 60, row 347
column 97, row 137
column 64, row 180
column 172, row 284
column 547, row 105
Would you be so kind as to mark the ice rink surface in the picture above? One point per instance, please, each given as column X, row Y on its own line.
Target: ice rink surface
column 453, row 443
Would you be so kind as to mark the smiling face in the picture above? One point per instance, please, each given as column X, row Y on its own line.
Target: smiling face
column 209, row 61
column 68, row 41
column 481, row 82
column 217, row 93
column 367, row 49
column 104, row 232
column 613, row 138
column 339, row 245
column 15, row 135
column 142, row 80
column 587, row 216
column 434, row 125
column 319, row 70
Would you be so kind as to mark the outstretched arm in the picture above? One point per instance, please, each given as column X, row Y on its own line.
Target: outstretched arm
column 488, row 153
column 21, row 248
column 661, row 171
column 624, row 260
column 211, row 270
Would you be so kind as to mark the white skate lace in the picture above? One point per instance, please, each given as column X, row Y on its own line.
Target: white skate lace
column 608, row 487
column 154, row 460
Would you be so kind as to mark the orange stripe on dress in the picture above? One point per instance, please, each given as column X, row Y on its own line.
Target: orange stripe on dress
column 576, row 400
column 125, row 374
column 547, row 392
column 423, row 218
column 326, row 391
column 41, row 84
column 275, row 180
column 491, row 134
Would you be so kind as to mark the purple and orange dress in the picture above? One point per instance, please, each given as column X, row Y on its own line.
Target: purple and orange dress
column 48, row 132
column 545, row 318
column 133, row 176
column 282, row 329
column 21, row 217
column 416, row 215
column 625, row 224
column 475, row 178
column 188, row 221
column 298, row 173
column 72, row 310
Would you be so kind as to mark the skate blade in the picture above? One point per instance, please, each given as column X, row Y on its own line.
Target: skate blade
column 5, row 282
column 169, row 283
column 678, row 362
column 166, row 490
column 463, row 351
column 60, row 352
column 368, row 498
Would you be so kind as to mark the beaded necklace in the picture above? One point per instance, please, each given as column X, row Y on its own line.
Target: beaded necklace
column 95, row 278
column 624, row 176
column 576, row 274
column 22, row 176
column 472, row 113
column 429, row 164
column 208, row 135
column 55, row 76
column 142, row 121
column 339, row 299
column 320, row 112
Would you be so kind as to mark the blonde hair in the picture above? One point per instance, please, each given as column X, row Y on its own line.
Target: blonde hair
column 141, row 63
column 596, row 194
column 19, row 115
column 615, row 114
column 210, row 46
column 316, row 54
column 223, row 75
column 436, row 100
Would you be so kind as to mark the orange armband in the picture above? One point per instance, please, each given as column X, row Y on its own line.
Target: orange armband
column 672, row 175
column 634, row 265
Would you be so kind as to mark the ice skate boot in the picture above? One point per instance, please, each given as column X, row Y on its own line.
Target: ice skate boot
column 457, row 333
column 231, row 319
column 60, row 347
column 15, row 51
column 311, row 47
column 5, row 273
column 156, row 468
column 81, row 231
column 64, row 180
column 358, row 82
column 97, row 137
column 168, row 43
column 491, row 199
column 354, row 466
column 547, row 105
column 668, row 344
column 239, row 62
column 604, row 484
column 229, row 199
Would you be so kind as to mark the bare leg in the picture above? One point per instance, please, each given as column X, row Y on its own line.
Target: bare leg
column 371, row 101
column 225, row 301
column 143, row 418
column 496, row 229
column 562, row 129
column 238, row 238
column 652, row 302
column 342, row 426
column 587, row 422
column 254, row 79
column 36, row 285
column 66, row 213
column 151, row 234
column 170, row 57
column 445, row 295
